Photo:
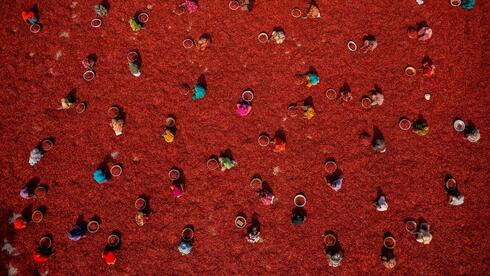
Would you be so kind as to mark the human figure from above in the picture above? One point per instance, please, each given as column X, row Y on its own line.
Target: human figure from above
column 253, row 235
column 243, row 108
column 117, row 125
column 177, row 189
column 388, row 259
column 142, row 216
column 185, row 245
column 334, row 181
column 29, row 17
column 88, row 62
column 455, row 198
column 199, row 92
column 381, row 204
column 42, row 253
column 312, row 79
column 428, row 68
column 424, row 33
column 109, row 256
column 370, row 43
column 27, row 192
column 472, row 135
column 35, row 156
column 420, row 127
column 423, row 234
column 378, row 144
column 334, row 256
column 203, row 42
column 279, row 145
column 309, row 111
column 18, row 221
column 298, row 216
column 313, row 11
column 100, row 176
column 226, row 163
column 168, row 135
column 278, row 36
column 266, row 197
column 77, row 233
column 377, row 98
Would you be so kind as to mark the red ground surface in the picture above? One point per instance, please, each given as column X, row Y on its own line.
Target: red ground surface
column 411, row 172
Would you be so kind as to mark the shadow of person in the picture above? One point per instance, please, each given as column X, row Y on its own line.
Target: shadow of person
column 106, row 4
column 308, row 101
column 32, row 184
column 281, row 134
column 427, row 59
column 72, row 95
column 202, row 81
column 27, row 212
column 369, row 37
column 344, row 88
column 312, row 69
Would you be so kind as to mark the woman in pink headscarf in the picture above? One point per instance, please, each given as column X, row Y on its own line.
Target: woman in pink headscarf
column 191, row 5
column 425, row 33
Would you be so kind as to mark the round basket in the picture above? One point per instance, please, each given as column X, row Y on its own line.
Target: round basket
column 132, row 56
column 352, row 46
column 96, row 23
column 212, row 164
column 93, row 226
column 45, row 242
column 264, row 140
column 299, row 200
column 366, row 102
column 35, row 28
column 80, row 108
column 256, row 184
column 411, row 226
column 410, row 71
column 40, row 192
column 88, row 75
column 234, row 5
column 240, row 222
column 180, row 10
column 296, row 12
column 37, row 216
column 263, row 37
column 405, row 124
column 116, row 170
column 170, row 122
column 143, row 17
column 173, row 174
column 293, row 111
column 459, row 125
column 188, row 43
column 455, row 3
column 329, row 240
column 330, row 167
column 113, row 112
column 451, row 184
column 331, row 94
column 113, row 240
column 247, row 96
column 389, row 242
column 140, row 204
column 187, row 234
column 47, row 145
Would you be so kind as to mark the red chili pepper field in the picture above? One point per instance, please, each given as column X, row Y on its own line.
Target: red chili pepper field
column 37, row 70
